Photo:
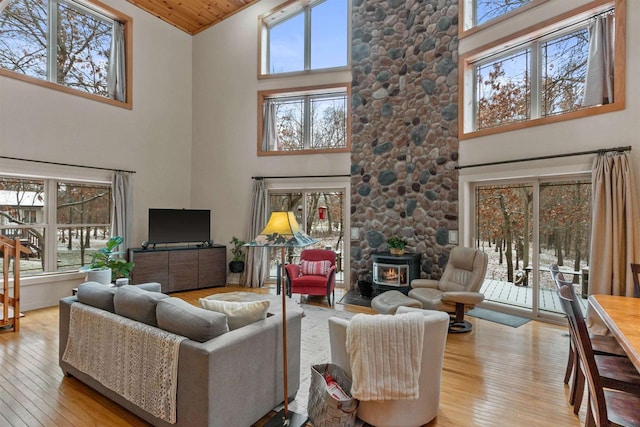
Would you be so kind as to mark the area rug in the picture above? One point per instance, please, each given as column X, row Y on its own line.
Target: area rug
column 353, row 297
column 496, row 317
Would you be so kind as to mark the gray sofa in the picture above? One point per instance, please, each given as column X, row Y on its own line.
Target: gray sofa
column 233, row 379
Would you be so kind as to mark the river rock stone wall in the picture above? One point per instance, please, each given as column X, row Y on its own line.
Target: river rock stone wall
column 404, row 130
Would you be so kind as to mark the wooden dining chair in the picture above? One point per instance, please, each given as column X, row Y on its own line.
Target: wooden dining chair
column 635, row 269
column 606, row 407
column 601, row 344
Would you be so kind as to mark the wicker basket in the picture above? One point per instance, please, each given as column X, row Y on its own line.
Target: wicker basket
column 325, row 410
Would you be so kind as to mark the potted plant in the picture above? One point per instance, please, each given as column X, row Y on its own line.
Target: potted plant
column 105, row 267
column 396, row 245
column 237, row 251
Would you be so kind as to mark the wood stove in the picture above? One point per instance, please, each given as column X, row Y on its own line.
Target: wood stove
column 395, row 271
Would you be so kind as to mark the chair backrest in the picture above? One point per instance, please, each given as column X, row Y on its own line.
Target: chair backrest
column 635, row 269
column 556, row 274
column 318, row 255
column 401, row 412
column 584, row 348
column 465, row 270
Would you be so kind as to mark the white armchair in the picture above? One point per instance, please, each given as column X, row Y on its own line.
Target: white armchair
column 401, row 413
column 458, row 289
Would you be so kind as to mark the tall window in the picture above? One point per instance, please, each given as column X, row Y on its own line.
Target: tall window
column 304, row 121
column 61, row 223
column 65, row 42
column 303, row 37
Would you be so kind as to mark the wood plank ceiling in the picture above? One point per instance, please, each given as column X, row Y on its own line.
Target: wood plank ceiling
column 192, row 16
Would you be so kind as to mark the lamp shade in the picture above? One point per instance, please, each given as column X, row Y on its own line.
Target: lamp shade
column 282, row 230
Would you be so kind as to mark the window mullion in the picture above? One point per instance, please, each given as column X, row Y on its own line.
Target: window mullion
column 307, row 122
column 52, row 42
column 50, row 226
column 307, row 38
column 536, row 80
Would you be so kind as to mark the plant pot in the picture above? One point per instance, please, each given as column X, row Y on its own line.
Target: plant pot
column 102, row 276
column 396, row 251
column 236, row 266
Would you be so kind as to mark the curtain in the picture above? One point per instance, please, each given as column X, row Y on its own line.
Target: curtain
column 255, row 270
column 598, row 86
column 116, row 74
column 121, row 207
column 615, row 242
column 269, row 134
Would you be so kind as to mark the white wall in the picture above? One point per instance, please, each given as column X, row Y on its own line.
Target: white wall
column 154, row 138
column 615, row 129
column 225, row 111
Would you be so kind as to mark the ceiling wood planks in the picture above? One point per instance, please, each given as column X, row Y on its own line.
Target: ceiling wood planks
column 192, row 16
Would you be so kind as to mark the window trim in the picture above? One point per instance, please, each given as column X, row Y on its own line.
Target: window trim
column 127, row 21
column 465, row 14
column 263, row 39
column 301, row 91
column 466, row 81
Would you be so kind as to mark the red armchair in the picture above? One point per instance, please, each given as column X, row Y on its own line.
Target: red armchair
column 315, row 275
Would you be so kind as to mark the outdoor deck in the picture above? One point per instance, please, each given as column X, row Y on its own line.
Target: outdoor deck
column 522, row 296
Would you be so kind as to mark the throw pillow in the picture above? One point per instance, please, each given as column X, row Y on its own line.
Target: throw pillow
column 137, row 304
column 179, row 317
column 314, row 268
column 238, row 314
column 97, row 295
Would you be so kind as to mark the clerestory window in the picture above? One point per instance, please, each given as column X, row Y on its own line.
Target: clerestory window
column 305, row 36
column 304, row 121
column 65, row 43
column 570, row 69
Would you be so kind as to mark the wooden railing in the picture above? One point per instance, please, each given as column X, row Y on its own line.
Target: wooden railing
column 11, row 303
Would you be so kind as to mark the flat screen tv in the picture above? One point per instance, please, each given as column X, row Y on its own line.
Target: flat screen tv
column 179, row 225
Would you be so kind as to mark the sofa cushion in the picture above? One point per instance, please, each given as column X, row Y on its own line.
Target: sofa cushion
column 179, row 317
column 137, row 304
column 97, row 295
column 316, row 268
column 238, row 314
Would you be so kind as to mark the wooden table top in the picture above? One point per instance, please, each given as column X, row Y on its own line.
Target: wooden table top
column 622, row 317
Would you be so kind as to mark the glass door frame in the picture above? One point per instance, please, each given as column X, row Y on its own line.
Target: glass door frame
column 468, row 185
column 315, row 185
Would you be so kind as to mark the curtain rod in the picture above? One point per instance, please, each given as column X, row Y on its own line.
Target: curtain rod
column 259, row 178
column 552, row 156
column 66, row 164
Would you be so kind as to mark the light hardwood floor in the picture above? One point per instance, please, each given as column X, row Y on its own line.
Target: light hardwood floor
column 493, row 376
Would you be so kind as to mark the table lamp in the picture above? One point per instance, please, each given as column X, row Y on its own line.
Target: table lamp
column 283, row 231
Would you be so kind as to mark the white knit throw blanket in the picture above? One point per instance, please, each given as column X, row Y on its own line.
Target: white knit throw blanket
column 386, row 354
column 135, row 360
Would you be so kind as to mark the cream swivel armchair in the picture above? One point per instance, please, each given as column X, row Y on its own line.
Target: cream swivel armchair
column 402, row 412
column 457, row 290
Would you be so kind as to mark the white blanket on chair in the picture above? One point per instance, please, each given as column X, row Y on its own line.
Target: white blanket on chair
column 386, row 354
column 135, row 360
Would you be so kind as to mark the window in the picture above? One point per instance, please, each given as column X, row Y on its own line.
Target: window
column 304, row 121
column 504, row 86
column 298, row 37
column 541, row 76
column 486, row 10
column 507, row 217
column 76, row 216
column 65, row 43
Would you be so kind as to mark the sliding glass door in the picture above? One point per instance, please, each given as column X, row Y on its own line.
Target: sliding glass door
column 525, row 227
column 321, row 214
